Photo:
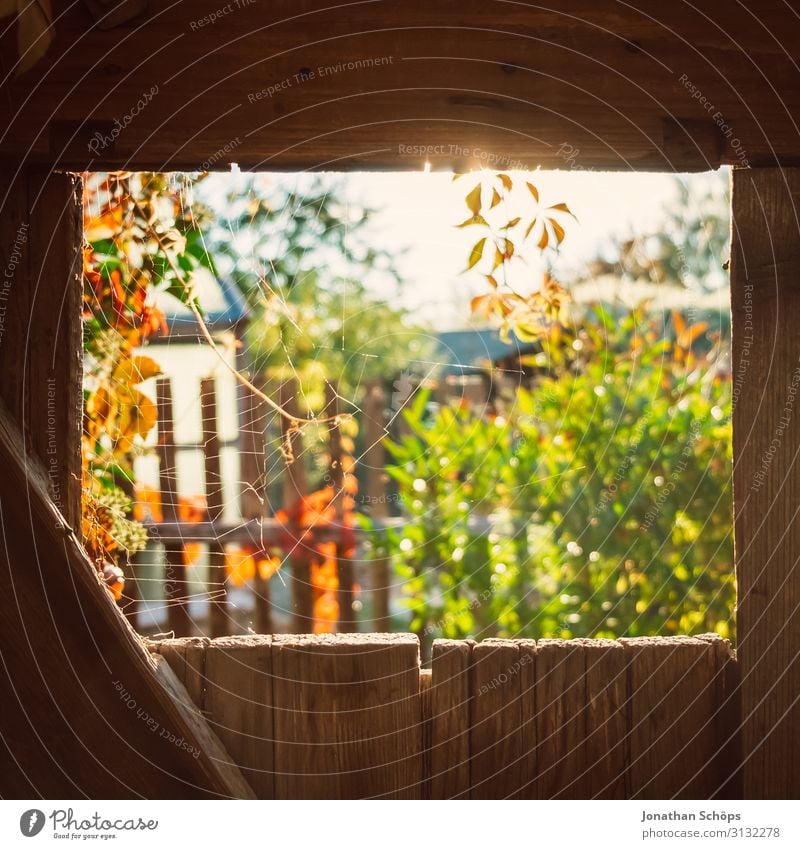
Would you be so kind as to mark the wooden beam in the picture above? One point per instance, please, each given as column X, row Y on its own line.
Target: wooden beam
column 765, row 304
column 84, row 713
column 41, row 364
column 226, row 767
column 219, row 619
column 584, row 83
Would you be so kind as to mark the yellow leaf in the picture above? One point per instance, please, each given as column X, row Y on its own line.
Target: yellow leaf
column 477, row 253
column 133, row 370
column 473, row 200
column 475, row 219
column 558, row 230
column 480, row 301
column 506, row 181
column 512, row 223
column 543, row 240
column 495, row 198
column 561, row 207
column 492, row 282
column 534, row 191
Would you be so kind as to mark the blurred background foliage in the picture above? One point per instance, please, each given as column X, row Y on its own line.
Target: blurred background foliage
column 594, row 501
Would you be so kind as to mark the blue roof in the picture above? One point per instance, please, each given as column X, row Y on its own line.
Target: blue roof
column 474, row 349
column 222, row 303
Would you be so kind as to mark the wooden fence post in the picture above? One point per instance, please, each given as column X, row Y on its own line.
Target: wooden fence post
column 295, row 488
column 217, row 587
column 374, row 460
column 344, row 565
column 765, row 304
column 175, row 586
column 253, row 473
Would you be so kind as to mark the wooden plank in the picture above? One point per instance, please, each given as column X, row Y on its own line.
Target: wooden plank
column 528, row 763
column 672, row 706
column 219, row 620
column 252, row 459
column 175, row 580
column 338, row 473
column 451, row 697
column 253, row 475
column 560, row 718
column 41, row 296
column 228, row 772
column 112, row 13
column 73, row 667
column 727, row 721
column 165, row 449
column 765, row 253
column 511, row 85
column 238, row 705
column 347, row 716
column 373, row 458
column 426, row 730
column 187, row 657
column 606, row 755
column 295, row 488
column 495, row 731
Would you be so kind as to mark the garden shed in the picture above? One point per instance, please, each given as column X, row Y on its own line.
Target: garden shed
column 89, row 709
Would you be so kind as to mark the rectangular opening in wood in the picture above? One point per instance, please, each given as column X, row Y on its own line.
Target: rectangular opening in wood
column 496, row 405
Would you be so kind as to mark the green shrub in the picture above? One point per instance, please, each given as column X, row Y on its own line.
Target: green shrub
column 595, row 503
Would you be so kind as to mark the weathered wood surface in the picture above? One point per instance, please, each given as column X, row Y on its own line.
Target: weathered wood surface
column 354, row 716
column 347, row 716
column 238, row 702
column 765, row 300
column 84, row 713
column 41, row 296
column 648, row 85
column 226, row 767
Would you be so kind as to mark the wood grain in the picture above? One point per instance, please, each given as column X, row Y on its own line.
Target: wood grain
column 225, row 765
column 450, row 719
column 347, row 716
column 513, row 82
column 238, row 705
column 560, row 718
column 673, row 741
column 765, row 300
column 82, row 696
column 495, row 731
column 606, row 754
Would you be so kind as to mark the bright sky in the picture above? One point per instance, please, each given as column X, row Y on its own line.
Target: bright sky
column 418, row 211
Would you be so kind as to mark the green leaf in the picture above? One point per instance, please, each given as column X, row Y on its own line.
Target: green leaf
column 476, row 254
